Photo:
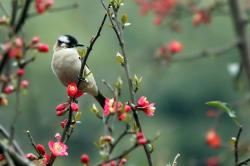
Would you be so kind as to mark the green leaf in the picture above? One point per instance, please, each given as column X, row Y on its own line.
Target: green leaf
column 223, row 107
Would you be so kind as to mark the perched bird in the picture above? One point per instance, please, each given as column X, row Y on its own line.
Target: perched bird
column 66, row 64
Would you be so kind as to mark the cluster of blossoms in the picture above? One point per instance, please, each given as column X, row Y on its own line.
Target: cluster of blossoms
column 56, row 149
column 16, row 49
column 112, row 107
column 163, row 8
column 168, row 49
column 160, row 8
column 43, row 5
column 62, row 108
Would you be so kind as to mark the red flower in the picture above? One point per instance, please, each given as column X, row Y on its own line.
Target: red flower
column 2, row 157
column 74, row 107
column 140, row 138
column 20, row 72
column 72, row 89
column 40, row 148
column 111, row 106
column 201, row 17
column 148, row 108
column 9, row 89
column 46, row 159
column 85, row 159
column 15, row 52
column 49, row 3
column 113, row 163
column 58, row 137
column 19, row 42
column 122, row 116
column 122, row 162
column 58, row 148
column 213, row 139
column 35, row 40
column 64, row 122
column 61, row 107
column 24, row 84
column 213, row 161
column 175, row 46
column 43, row 47
column 31, row 156
column 127, row 108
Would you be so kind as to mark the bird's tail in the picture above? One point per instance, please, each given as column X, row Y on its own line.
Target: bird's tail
column 100, row 98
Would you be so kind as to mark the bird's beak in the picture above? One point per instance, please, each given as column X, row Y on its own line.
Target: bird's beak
column 79, row 45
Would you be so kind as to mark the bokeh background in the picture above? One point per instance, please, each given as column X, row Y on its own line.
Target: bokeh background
column 179, row 90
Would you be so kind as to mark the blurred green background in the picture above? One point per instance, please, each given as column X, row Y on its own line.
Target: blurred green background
column 179, row 90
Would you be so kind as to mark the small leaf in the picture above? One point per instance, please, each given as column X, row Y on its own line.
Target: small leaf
column 124, row 19
column 78, row 116
column 223, row 107
column 119, row 58
column 81, row 51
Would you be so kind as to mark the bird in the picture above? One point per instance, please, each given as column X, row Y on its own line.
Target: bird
column 66, row 64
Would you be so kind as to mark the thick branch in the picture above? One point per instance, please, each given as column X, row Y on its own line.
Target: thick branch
column 240, row 29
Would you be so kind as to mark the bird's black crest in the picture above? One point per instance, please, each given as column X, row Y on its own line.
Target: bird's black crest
column 69, row 40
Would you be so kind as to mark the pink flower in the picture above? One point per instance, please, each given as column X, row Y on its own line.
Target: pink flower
column 175, row 46
column 147, row 107
column 46, row 159
column 58, row 148
column 111, row 106
column 31, row 156
column 24, row 84
column 43, row 48
column 20, row 72
column 19, row 42
column 40, row 148
column 127, row 108
column 9, row 89
column 35, row 40
column 85, row 159
column 122, row 162
column 122, row 116
column 58, row 137
column 72, row 89
column 74, row 107
column 143, row 102
column 140, row 138
column 64, row 122
column 61, row 107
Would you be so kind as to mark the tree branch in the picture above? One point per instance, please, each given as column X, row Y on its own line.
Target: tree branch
column 236, row 147
column 119, row 34
column 240, row 30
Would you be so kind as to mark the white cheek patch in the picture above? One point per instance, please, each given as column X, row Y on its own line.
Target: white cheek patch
column 63, row 39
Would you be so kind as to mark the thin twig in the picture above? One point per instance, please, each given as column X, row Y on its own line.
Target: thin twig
column 17, row 110
column 244, row 162
column 6, row 135
column 122, row 135
column 33, row 144
column 175, row 159
column 236, row 147
column 206, row 53
column 121, row 155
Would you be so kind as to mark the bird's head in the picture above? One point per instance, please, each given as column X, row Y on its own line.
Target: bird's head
column 66, row 41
